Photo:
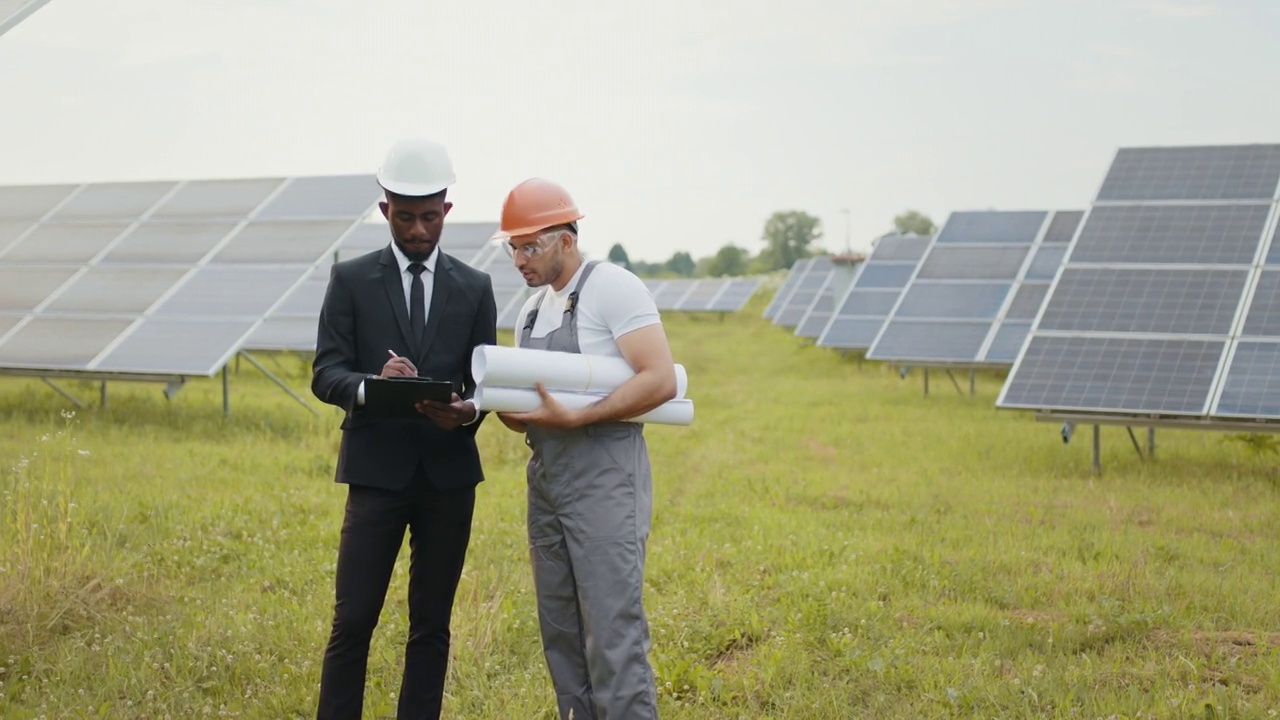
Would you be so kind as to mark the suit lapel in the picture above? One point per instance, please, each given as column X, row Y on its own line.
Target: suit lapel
column 395, row 295
column 442, row 283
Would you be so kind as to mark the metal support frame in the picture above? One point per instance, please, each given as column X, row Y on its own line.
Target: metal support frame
column 954, row 382
column 226, row 392
column 64, row 393
column 102, row 394
column 1068, row 429
column 283, row 386
column 972, row 375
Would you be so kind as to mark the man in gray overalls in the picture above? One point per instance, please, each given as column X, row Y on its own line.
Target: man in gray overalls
column 590, row 488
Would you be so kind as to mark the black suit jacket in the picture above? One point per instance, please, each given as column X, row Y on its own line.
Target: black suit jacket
column 364, row 316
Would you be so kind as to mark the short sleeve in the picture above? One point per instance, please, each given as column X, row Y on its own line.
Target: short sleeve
column 625, row 303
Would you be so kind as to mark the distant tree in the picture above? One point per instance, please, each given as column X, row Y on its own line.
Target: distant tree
column 682, row 264
column 728, row 261
column 618, row 256
column 912, row 221
column 787, row 236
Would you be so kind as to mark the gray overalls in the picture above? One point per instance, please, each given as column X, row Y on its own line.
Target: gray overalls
column 590, row 502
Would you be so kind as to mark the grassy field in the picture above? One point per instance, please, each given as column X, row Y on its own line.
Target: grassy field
column 828, row 543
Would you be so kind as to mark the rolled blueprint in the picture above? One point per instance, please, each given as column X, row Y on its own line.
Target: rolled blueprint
column 502, row 399
column 508, row 367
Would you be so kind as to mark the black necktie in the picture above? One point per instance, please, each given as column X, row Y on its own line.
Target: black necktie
column 417, row 305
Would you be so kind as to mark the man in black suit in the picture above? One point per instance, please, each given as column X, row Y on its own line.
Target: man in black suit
column 405, row 310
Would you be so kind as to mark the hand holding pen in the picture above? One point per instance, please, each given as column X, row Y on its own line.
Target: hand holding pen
column 398, row 366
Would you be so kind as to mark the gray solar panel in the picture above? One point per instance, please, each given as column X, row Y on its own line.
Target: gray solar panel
column 735, row 295
column 1045, row 262
column 179, row 243
column 982, row 263
column 798, row 269
column 123, row 278
column 1007, row 342
column 818, row 314
column 1191, row 234
column 668, row 297
column 1146, row 316
column 211, row 199
column 1240, row 172
column 1115, row 374
column 112, row 201
column 701, row 294
column 1251, row 388
column 875, row 289
column 13, row 12
column 1019, row 227
column 793, row 307
column 1137, row 300
column 347, row 197
column 971, row 280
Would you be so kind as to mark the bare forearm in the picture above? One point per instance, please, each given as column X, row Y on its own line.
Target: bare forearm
column 638, row 395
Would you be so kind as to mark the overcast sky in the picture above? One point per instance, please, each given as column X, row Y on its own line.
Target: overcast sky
column 676, row 124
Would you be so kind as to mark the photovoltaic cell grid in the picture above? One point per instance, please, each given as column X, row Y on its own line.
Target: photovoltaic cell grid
column 877, row 284
column 819, row 312
column 793, row 307
column 291, row 325
column 721, row 295
column 798, row 269
column 13, row 12
column 1166, row 304
column 159, row 278
column 972, row 299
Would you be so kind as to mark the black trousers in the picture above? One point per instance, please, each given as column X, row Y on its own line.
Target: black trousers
column 439, row 524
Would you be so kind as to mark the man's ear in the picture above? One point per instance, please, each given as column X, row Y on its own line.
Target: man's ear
column 447, row 207
column 384, row 207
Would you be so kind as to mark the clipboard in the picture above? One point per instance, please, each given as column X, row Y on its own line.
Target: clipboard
column 395, row 397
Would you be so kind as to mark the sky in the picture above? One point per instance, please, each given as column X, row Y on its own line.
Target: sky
column 675, row 124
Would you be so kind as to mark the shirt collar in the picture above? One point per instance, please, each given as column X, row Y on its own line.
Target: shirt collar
column 403, row 261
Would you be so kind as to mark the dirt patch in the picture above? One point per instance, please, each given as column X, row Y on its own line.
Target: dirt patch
column 734, row 652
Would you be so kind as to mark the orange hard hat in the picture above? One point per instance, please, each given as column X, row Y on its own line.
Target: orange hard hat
column 535, row 204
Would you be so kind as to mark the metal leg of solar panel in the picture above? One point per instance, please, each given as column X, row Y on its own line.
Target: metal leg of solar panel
column 1151, row 443
column 226, row 393
column 74, row 400
column 103, row 393
column 972, row 374
column 283, row 386
column 1097, row 450
column 955, row 382
column 1134, row 438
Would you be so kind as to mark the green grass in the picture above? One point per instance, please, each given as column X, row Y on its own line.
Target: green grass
column 827, row 543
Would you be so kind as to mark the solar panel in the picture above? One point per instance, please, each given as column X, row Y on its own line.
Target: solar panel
column 874, row 290
column 13, row 12
column 1163, row 305
column 148, row 278
column 972, row 278
column 793, row 308
column 798, row 269
column 668, row 297
column 735, row 295
column 819, row 312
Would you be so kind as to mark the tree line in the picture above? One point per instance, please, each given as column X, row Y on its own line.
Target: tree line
column 788, row 236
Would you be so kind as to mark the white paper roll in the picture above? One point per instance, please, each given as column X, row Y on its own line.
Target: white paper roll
column 508, row 367
column 502, row 399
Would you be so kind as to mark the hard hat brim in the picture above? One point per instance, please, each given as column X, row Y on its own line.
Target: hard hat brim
column 413, row 189
column 505, row 234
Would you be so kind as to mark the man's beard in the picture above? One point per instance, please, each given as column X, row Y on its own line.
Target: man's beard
column 413, row 254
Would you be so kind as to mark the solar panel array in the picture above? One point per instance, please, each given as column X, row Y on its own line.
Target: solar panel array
column 818, row 314
column 158, row 278
column 798, row 269
column 971, row 300
column 723, row 295
column 291, row 325
column 861, row 310
column 809, row 282
column 1167, row 303
column 13, row 12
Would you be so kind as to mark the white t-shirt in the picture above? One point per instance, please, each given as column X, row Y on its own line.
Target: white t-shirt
column 613, row 303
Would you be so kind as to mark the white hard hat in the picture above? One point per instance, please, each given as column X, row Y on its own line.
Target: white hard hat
column 416, row 167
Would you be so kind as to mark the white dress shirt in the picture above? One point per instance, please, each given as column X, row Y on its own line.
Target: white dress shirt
column 428, row 286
